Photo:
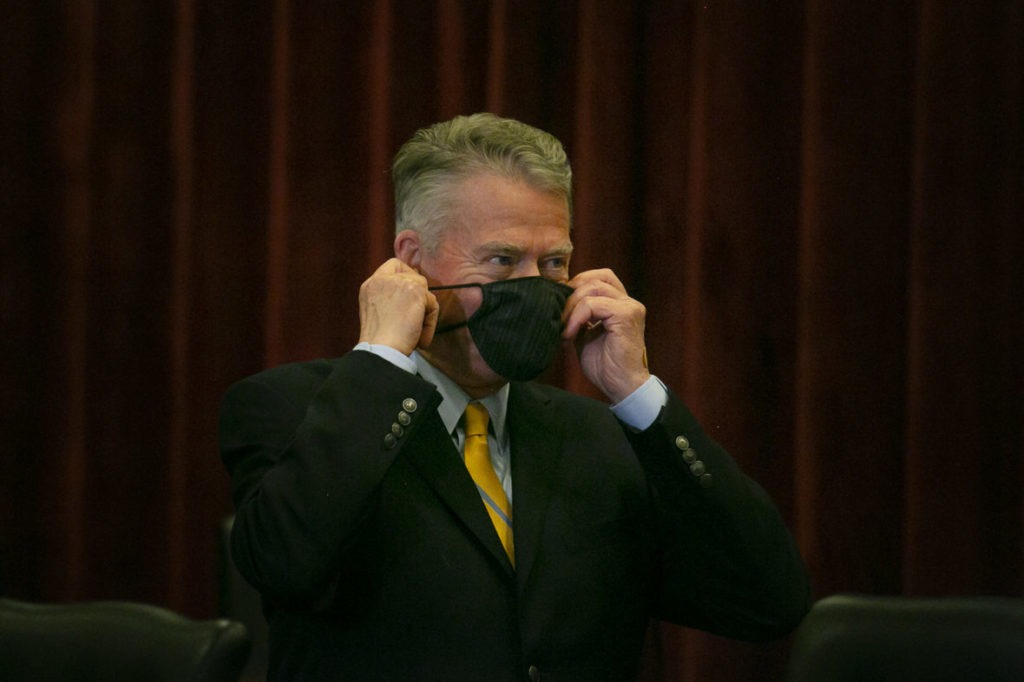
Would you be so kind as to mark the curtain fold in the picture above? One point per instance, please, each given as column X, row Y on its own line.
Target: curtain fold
column 851, row 274
column 964, row 417
column 821, row 204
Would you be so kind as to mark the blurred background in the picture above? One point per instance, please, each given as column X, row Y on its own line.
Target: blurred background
column 821, row 205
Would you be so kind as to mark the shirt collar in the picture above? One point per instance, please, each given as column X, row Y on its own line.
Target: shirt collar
column 454, row 399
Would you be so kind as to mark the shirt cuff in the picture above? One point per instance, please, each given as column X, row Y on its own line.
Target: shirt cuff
column 640, row 408
column 395, row 357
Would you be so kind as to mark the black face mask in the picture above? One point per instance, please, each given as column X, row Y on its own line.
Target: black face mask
column 518, row 325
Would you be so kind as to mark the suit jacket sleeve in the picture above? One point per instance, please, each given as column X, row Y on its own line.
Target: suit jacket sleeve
column 304, row 479
column 728, row 564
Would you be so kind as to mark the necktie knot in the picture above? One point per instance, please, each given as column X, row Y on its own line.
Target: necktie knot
column 476, row 420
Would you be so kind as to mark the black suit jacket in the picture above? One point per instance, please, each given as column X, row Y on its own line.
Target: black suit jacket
column 360, row 525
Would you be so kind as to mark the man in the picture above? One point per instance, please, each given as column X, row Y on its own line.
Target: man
column 385, row 550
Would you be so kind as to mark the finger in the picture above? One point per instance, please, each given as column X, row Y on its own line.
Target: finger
column 394, row 266
column 600, row 275
column 606, row 312
column 388, row 267
column 430, row 315
column 594, row 283
column 587, row 314
column 593, row 289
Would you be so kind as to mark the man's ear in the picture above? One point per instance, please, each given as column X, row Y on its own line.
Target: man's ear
column 409, row 248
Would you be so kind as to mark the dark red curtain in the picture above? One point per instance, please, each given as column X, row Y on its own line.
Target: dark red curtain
column 820, row 203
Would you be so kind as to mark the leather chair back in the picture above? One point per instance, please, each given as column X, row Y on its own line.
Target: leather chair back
column 859, row 638
column 117, row 641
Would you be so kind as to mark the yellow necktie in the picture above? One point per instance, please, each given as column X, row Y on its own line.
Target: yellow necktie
column 478, row 461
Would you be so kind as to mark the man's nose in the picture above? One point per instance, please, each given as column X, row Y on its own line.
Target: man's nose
column 528, row 269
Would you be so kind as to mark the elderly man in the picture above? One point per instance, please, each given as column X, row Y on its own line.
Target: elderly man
column 418, row 509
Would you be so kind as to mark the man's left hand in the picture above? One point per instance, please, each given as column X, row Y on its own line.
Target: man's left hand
column 608, row 328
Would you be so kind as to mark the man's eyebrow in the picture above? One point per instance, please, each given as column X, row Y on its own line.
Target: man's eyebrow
column 561, row 250
column 507, row 249
column 503, row 248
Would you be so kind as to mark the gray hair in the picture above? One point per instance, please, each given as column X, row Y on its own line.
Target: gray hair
column 440, row 155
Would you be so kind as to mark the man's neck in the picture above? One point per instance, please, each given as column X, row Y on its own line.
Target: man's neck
column 475, row 387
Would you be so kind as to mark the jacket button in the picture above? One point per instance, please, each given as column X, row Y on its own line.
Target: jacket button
column 697, row 468
column 706, row 481
column 689, row 455
column 409, row 405
column 390, row 441
column 534, row 673
column 682, row 442
column 404, row 419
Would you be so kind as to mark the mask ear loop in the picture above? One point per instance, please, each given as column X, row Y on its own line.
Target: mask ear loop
column 456, row 325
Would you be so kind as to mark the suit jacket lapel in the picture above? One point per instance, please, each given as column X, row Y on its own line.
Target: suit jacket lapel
column 536, row 439
column 436, row 458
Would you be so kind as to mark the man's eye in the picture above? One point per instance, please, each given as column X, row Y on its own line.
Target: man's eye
column 504, row 261
column 555, row 263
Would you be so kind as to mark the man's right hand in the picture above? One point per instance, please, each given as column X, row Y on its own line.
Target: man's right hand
column 396, row 309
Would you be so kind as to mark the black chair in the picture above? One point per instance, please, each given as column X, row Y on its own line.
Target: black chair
column 859, row 638
column 117, row 641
